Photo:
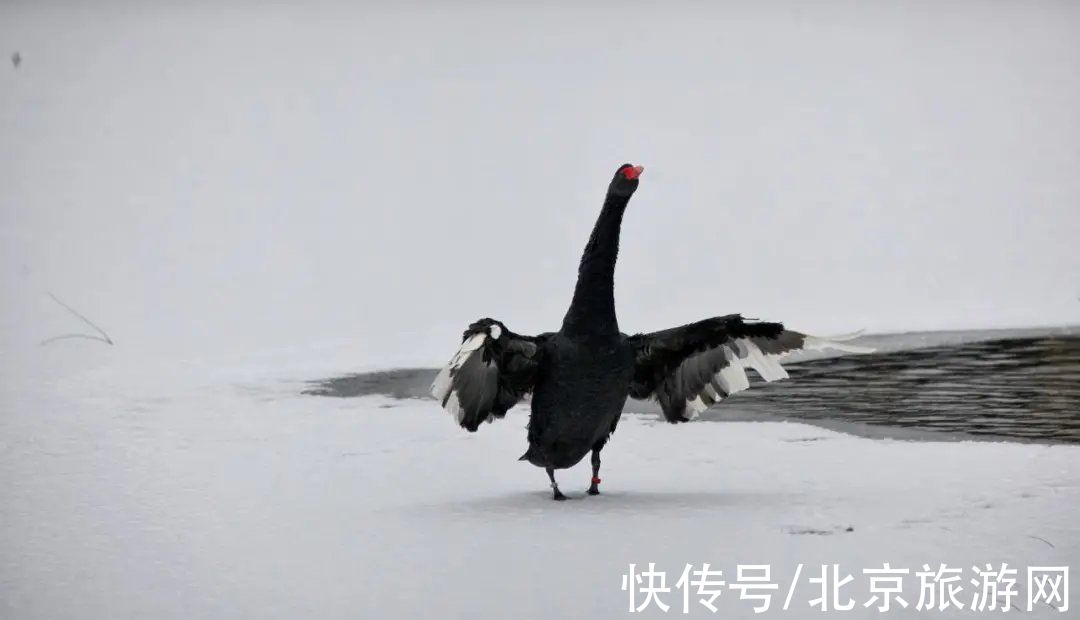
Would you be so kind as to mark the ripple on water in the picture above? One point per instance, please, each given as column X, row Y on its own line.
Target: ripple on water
column 1024, row 388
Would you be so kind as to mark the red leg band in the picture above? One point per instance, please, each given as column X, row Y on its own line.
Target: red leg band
column 595, row 480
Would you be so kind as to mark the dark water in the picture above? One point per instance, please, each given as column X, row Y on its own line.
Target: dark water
column 1020, row 388
column 1025, row 388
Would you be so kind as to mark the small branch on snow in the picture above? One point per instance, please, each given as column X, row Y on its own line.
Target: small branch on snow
column 1044, row 540
column 102, row 338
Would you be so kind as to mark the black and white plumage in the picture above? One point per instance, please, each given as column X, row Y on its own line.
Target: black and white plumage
column 686, row 369
column 493, row 370
column 581, row 375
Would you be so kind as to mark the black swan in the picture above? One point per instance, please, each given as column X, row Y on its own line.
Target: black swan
column 581, row 375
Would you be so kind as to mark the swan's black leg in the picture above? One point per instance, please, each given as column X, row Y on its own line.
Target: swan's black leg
column 555, row 485
column 594, row 489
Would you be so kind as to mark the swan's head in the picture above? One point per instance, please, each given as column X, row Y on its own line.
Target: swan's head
column 626, row 180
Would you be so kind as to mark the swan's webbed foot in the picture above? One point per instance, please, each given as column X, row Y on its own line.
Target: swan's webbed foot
column 557, row 496
column 594, row 488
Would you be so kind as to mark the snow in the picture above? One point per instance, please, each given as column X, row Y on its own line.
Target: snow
column 198, row 488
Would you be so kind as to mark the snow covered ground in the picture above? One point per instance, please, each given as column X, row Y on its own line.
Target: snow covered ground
column 198, row 488
column 208, row 181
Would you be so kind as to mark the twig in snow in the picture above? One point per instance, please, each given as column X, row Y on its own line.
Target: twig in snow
column 102, row 338
column 1044, row 540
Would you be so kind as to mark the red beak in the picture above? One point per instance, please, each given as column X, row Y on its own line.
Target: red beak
column 634, row 172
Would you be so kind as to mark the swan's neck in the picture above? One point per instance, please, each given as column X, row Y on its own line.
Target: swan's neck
column 592, row 311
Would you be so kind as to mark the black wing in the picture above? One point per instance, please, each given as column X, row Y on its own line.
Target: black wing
column 493, row 370
column 688, row 368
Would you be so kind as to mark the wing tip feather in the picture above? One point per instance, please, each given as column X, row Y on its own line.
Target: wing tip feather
column 816, row 343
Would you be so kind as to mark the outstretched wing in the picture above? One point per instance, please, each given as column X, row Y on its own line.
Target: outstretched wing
column 688, row 368
column 489, row 374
